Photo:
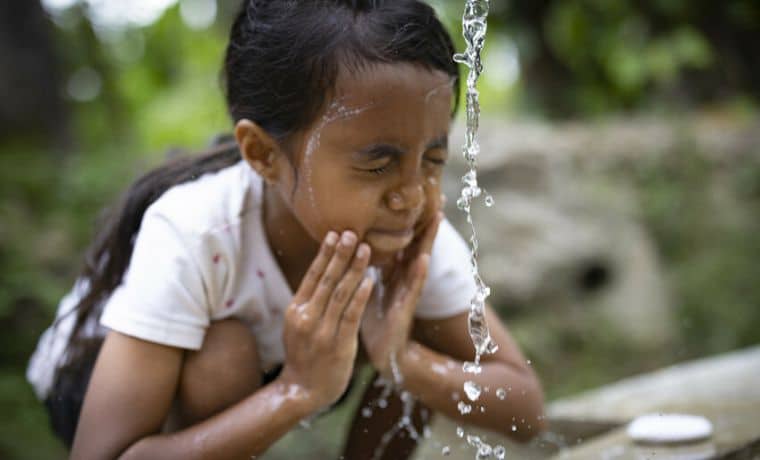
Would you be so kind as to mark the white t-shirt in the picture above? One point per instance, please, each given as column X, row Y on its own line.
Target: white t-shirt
column 201, row 255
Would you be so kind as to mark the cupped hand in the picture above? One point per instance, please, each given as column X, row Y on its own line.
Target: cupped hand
column 385, row 333
column 322, row 322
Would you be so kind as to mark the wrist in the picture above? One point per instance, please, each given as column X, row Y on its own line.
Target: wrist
column 296, row 394
column 408, row 358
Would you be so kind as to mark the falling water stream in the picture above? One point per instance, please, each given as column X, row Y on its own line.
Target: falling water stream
column 474, row 24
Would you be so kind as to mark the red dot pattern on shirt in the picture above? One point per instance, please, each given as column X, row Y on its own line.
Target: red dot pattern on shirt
column 216, row 258
column 260, row 274
column 229, row 303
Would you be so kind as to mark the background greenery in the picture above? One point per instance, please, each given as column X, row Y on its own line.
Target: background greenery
column 88, row 105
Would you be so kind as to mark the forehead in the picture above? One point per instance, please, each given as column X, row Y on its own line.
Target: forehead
column 390, row 100
column 400, row 104
column 383, row 84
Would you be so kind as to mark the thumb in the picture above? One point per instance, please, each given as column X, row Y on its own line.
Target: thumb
column 419, row 275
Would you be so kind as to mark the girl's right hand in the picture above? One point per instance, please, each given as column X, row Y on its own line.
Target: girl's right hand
column 322, row 322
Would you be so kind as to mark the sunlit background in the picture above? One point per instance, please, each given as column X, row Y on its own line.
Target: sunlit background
column 620, row 141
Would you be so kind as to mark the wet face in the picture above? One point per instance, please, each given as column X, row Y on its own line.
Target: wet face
column 372, row 161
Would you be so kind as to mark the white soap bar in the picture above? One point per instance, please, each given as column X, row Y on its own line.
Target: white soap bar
column 669, row 428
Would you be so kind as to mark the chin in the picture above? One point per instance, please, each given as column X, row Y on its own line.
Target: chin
column 382, row 259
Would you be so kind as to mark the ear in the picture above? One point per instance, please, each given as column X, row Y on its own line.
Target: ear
column 259, row 150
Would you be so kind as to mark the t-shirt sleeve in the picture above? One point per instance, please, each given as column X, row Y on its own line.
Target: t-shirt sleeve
column 162, row 297
column 450, row 286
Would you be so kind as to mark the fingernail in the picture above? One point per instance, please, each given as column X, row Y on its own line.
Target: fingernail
column 348, row 238
column 363, row 250
column 331, row 238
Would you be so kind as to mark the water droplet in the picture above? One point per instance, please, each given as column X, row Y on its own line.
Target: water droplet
column 484, row 452
column 489, row 201
column 529, row 362
column 501, row 393
column 471, row 368
column 464, row 408
column 382, row 403
column 446, row 450
column 472, row 390
column 499, row 452
column 514, row 427
column 366, row 412
column 460, row 431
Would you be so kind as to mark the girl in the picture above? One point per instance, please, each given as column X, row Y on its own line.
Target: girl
column 228, row 297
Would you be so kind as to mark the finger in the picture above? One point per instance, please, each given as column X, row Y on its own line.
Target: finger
column 423, row 244
column 346, row 287
column 352, row 315
column 426, row 244
column 407, row 301
column 317, row 267
column 344, row 252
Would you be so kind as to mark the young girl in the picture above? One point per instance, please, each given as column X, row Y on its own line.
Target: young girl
column 229, row 297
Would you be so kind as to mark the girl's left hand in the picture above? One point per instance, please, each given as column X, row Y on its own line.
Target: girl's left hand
column 385, row 334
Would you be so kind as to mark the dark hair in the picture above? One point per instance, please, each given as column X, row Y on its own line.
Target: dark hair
column 281, row 64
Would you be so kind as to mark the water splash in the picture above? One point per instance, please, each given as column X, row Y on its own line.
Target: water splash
column 404, row 423
column 484, row 450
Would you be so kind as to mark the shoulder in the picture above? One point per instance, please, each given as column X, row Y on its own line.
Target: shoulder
column 211, row 201
column 448, row 243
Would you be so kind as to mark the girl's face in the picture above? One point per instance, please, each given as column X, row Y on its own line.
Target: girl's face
column 372, row 161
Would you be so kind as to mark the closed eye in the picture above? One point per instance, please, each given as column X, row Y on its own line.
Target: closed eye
column 436, row 161
column 379, row 170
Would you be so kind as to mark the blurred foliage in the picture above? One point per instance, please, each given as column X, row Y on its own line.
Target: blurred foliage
column 157, row 87
column 589, row 57
column 703, row 217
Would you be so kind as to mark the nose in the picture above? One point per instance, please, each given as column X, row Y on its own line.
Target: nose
column 409, row 196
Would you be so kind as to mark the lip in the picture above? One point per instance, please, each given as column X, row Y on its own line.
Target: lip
column 389, row 240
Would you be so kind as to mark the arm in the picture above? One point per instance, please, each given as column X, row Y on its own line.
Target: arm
column 134, row 382
column 432, row 370
column 426, row 364
column 124, row 410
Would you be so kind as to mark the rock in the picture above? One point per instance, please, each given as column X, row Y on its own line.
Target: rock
column 559, row 236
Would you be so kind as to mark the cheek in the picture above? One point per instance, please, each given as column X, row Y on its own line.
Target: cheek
column 432, row 189
column 334, row 202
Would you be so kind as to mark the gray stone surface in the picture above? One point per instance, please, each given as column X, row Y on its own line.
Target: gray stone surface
column 725, row 389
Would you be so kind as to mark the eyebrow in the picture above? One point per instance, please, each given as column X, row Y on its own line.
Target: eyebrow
column 376, row 151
